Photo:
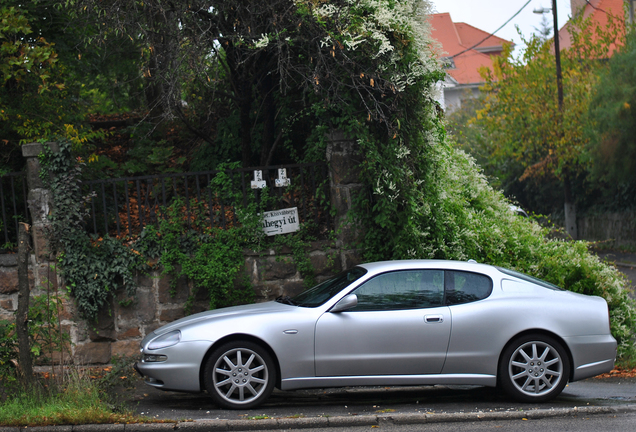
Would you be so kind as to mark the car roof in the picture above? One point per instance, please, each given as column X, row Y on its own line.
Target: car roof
column 384, row 266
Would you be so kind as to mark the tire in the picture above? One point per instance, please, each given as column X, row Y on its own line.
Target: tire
column 239, row 375
column 534, row 368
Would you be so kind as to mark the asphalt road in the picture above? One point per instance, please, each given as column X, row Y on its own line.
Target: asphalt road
column 615, row 422
column 348, row 402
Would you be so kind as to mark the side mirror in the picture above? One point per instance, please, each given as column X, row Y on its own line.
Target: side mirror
column 346, row 303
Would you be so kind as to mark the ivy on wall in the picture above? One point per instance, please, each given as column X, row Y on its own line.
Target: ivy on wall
column 185, row 246
column 92, row 268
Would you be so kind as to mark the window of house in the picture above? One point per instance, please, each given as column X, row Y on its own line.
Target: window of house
column 448, row 62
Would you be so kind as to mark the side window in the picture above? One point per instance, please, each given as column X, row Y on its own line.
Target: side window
column 409, row 289
column 466, row 287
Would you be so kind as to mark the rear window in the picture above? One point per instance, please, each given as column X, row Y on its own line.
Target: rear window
column 466, row 287
column 531, row 279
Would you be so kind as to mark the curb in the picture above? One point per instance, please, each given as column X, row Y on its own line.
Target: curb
column 340, row 421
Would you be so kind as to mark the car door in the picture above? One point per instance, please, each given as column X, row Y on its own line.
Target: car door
column 399, row 327
column 478, row 324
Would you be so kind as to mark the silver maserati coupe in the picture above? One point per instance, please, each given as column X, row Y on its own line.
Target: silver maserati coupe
column 389, row 323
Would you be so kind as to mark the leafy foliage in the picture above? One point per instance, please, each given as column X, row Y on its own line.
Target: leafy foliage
column 523, row 92
column 8, row 352
column 268, row 63
column 207, row 257
column 45, row 336
column 36, row 101
column 613, row 111
column 211, row 258
column 521, row 135
column 21, row 59
column 93, row 270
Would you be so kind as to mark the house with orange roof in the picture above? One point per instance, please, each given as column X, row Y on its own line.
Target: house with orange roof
column 599, row 11
column 465, row 49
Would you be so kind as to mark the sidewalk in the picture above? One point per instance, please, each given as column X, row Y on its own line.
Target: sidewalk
column 324, row 422
column 620, row 259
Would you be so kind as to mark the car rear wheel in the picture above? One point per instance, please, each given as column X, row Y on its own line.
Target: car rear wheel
column 534, row 368
column 239, row 374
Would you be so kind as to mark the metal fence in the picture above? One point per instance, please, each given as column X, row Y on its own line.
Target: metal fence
column 13, row 195
column 124, row 206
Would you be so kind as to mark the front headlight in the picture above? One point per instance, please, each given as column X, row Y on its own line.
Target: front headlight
column 164, row 341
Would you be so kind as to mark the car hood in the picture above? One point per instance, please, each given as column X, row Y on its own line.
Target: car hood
column 251, row 309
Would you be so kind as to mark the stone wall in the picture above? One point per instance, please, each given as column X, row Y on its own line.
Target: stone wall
column 615, row 230
column 120, row 327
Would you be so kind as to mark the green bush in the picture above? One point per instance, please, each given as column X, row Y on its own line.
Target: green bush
column 45, row 338
column 455, row 214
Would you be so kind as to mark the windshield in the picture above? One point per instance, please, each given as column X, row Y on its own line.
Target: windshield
column 319, row 294
column 532, row 279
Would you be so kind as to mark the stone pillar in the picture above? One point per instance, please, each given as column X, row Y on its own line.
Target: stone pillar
column 40, row 200
column 344, row 159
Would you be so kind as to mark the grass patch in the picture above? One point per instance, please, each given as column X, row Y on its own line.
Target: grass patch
column 76, row 400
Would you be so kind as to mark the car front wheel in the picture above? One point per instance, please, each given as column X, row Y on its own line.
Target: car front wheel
column 534, row 368
column 239, row 375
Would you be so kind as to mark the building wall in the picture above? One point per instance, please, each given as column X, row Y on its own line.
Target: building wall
column 453, row 96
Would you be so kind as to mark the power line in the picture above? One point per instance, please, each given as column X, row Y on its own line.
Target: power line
column 493, row 33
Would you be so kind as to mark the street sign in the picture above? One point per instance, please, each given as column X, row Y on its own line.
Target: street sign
column 281, row 221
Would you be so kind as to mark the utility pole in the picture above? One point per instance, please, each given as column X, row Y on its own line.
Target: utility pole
column 557, row 55
column 569, row 204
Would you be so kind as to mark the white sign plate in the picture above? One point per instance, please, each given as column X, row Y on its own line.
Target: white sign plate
column 280, row 221
column 258, row 182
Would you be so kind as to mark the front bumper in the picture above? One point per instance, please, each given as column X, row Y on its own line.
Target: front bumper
column 180, row 371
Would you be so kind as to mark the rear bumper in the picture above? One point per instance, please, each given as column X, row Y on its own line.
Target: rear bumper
column 591, row 355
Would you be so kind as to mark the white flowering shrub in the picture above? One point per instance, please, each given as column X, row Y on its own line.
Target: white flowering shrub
column 427, row 199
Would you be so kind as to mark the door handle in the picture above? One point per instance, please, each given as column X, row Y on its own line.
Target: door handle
column 434, row 318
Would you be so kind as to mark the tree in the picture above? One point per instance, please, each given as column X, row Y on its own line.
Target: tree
column 613, row 139
column 545, row 28
column 261, row 58
column 27, row 64
column 37, row 98
column 521, row 112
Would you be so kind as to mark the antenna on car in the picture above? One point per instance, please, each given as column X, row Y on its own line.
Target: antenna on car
column 472, row 261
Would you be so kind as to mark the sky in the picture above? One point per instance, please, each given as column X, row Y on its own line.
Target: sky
column 490, row 15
